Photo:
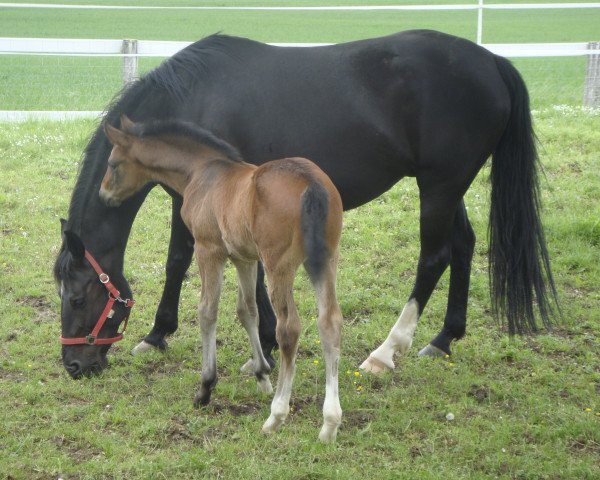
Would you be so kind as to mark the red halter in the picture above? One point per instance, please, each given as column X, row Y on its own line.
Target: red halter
column 113, row 296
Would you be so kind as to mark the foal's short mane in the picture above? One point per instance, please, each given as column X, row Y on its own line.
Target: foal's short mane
column 186, row 130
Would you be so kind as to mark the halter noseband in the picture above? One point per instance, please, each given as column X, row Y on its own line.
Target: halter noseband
column 113, row 296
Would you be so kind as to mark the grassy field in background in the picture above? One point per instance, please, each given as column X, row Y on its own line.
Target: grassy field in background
column 524, row 408
column 75, row 83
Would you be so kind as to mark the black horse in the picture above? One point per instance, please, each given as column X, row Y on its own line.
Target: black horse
column 418, row 103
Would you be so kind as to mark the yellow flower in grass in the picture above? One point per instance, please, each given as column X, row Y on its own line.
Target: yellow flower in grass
column 316, row 362
column 357, row 374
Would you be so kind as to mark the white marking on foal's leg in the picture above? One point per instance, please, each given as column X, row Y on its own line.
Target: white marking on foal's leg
column 142, row 347
column 399, row 340
column 280, row 406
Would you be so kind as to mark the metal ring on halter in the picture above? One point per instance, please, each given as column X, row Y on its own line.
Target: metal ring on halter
column 104, row 278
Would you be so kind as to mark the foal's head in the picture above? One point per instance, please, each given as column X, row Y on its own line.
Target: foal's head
column 125, row 174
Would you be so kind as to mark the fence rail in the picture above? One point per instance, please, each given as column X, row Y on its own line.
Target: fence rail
column 157, row 48
column 132, row 50
column 335, row 8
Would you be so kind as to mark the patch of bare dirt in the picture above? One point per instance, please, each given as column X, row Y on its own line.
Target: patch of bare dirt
column 479, row 392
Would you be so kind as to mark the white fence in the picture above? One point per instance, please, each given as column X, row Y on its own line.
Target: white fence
column 132, row 50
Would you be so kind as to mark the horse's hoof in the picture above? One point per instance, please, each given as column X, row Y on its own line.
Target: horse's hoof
column 432, row 351
column 142, row 347
column 374, row 365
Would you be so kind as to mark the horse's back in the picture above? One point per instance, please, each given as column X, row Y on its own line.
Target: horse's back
column 367, row 112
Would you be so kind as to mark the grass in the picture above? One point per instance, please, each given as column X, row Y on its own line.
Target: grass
column 524, row 407
column 67, row 83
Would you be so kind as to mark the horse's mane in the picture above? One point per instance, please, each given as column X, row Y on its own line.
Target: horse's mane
column 187, row 130
column 158, row 94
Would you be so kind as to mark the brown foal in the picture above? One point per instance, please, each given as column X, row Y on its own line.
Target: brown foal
column 284, row 213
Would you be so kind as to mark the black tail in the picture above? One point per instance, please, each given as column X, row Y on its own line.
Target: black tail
column 519, row 266
column 313, row 216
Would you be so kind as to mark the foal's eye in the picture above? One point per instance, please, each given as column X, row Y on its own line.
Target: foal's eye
column 78, row 302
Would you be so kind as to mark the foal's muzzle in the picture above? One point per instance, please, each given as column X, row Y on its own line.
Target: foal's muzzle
column 108, row 198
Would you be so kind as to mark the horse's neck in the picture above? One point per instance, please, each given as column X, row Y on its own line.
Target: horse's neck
column 103, row 230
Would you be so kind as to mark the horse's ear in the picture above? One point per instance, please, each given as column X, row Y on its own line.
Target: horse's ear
column 74, row 244
column 126, row 123
column 116, row 136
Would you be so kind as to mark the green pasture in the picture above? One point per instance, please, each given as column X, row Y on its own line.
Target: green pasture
column 76, row 83
column 523, row 407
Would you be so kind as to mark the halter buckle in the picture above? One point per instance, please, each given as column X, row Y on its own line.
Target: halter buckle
column 90, row 339
column 104, row 278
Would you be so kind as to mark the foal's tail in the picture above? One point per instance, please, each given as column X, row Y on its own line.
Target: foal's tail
column 519, row 265
column 313, row 218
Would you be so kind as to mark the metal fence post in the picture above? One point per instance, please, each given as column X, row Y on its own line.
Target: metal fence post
column 591, row 92
column 130, row 61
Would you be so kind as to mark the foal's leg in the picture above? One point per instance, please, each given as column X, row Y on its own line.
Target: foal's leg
column 181, row 247
column 330, row 326
column 437, row 216
column 248, row 314
column 463, row 244
column 281, row 281
column 211, row 271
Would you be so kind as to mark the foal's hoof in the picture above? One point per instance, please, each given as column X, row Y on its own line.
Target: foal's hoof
column 376, row 366
column 432, row 351
column 328, row 433
column 142, row 347
column 264, row 385
column 248, row 367
column 272, row 424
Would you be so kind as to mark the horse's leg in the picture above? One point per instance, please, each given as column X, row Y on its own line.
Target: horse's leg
column 248, row 314
column 437, row 217
column 330, row 326
column 281, row 281
column 181, row 248
column 211, row 272
column 463, row 244
column 267, row 321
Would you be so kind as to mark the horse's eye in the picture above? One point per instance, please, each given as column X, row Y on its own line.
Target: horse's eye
column 78, row 302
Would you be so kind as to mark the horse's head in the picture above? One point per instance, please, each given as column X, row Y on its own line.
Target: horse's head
column 86, row 300
column 125, row 175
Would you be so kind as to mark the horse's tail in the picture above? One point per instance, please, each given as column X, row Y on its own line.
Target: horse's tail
column 313, row 218
column 518, row 259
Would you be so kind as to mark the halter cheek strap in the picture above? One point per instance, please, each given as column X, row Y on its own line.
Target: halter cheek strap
column 113, row 296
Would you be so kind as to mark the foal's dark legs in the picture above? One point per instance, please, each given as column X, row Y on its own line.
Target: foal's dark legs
column 463, row 244
column 438, row 212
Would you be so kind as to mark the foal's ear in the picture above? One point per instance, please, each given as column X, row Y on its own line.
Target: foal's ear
column 116, row 136
column 126, row 123
column 74, row 244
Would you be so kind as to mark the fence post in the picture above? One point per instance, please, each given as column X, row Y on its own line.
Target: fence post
column 130, row 61
column 479, row 22
column 591, row 92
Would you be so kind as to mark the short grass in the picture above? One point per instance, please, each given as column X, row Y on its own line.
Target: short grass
column 523, row 407
column 67, row 83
